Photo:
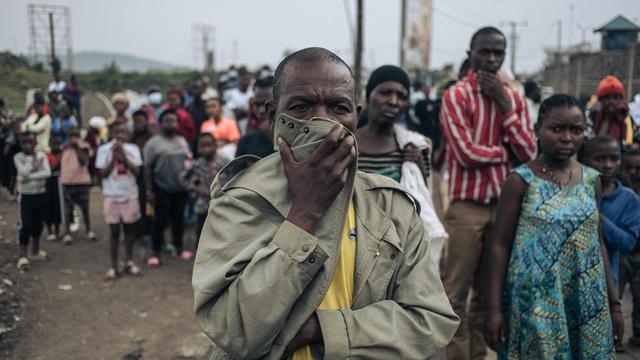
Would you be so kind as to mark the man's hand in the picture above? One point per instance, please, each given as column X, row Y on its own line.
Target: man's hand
column 310, row 333
column 315, row 182
column 494, row 329
column 493, row 88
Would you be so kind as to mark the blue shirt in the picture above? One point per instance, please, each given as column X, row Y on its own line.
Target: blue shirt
column 620, row 212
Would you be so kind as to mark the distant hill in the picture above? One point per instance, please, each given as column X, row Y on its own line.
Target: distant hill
column 95, row 60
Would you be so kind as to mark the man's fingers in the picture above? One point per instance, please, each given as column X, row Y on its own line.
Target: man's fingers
column 327, row 146
column 341, row 151
column 285, row 152
column 342, row 165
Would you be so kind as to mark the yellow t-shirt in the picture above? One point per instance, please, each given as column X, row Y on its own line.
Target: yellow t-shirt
column 340, row 293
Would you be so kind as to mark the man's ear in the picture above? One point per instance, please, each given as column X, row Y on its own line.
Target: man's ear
column 358, row 110
column 270, row 108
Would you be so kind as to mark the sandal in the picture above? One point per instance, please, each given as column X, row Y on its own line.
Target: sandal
column 92, row 236
column 67, row 239
column 23, row 264
column 111, row 275
column 132, row 269
column 40, row 256
column 153, row 262
column 52, row 237
column 186, row 255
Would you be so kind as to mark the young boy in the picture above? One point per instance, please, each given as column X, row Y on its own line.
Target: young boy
column 199, row 177
column 54, row 213
column 619, row 206
column 630, row 263
column 118, row 164
column 76, row 182
column 33, row 170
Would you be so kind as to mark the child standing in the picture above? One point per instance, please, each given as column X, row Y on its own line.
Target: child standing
column 62, row 123
column 620, row 206
column 551, row 294
column 33, row 170
column 76, row 182
column 198, row 178
column 165, row 156
column 118, row 164
column 630, row 263
column 54, row 213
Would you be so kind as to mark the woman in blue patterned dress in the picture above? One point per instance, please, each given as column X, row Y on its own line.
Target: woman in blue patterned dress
column 551, row 295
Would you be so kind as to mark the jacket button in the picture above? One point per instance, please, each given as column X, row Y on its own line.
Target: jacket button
column 306, row 130
column 291, row 126
column 312, row 259
column 305, row 247
column 393, row 256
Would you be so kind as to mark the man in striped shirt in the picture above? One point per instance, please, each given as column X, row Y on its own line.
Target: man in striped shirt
column 486, row 129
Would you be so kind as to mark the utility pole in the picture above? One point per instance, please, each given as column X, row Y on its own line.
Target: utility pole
column 205, row 35
column 52, row 37
column 513, row 38
column 403, row 29
column 359, row 44
column 571, row 8
column 559, row 49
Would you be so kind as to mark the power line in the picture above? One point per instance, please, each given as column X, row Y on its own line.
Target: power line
column 457, row 20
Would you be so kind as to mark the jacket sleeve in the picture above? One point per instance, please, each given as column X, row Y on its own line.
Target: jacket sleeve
column 516, row 127
column 249, row 272
column 414, row 324
column 623, row 236
column 456, row 129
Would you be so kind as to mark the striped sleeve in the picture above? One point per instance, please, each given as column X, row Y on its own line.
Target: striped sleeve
column 457, row 130
column 517, row 130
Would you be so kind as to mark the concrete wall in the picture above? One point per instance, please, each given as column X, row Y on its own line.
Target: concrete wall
column 581, row 76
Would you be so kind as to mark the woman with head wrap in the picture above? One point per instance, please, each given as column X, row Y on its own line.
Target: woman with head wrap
column 390, row 150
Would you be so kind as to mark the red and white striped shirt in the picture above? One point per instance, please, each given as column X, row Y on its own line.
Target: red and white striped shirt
column 479, row 139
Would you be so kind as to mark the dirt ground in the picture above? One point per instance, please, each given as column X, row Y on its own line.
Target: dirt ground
column 62, row 309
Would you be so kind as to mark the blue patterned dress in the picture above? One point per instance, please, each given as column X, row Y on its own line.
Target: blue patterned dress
column 555, row 300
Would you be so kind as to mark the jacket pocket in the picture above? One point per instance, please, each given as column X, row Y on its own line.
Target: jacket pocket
column 387, row 259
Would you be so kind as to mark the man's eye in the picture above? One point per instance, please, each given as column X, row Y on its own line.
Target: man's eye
column 556, row 129
column 300, row 107
column 577, row 131
column 341, row 108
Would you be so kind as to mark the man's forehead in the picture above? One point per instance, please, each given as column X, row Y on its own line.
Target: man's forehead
column 308, row 77
column 489, row 41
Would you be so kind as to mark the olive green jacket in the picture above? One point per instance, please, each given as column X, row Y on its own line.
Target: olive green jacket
column 257, row 278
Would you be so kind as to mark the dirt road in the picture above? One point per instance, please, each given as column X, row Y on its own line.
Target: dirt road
column 62, row 309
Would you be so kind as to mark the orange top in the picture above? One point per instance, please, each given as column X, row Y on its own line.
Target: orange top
column 226, row 129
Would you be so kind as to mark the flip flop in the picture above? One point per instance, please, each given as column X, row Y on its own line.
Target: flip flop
column 153, row 262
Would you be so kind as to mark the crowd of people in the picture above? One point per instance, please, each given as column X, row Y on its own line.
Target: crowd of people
column 337, row 228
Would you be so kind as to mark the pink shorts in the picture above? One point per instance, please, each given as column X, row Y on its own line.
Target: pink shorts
column 115, row 212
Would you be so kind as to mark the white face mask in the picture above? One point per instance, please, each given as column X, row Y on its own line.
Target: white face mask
column 155, row 98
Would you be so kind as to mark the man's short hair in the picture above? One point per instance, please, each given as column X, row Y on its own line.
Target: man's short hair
column 312, row 54
column 140, row 112
column 264, row 83
column 487, row 30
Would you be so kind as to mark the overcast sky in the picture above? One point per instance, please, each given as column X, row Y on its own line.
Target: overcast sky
column 163, row 29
